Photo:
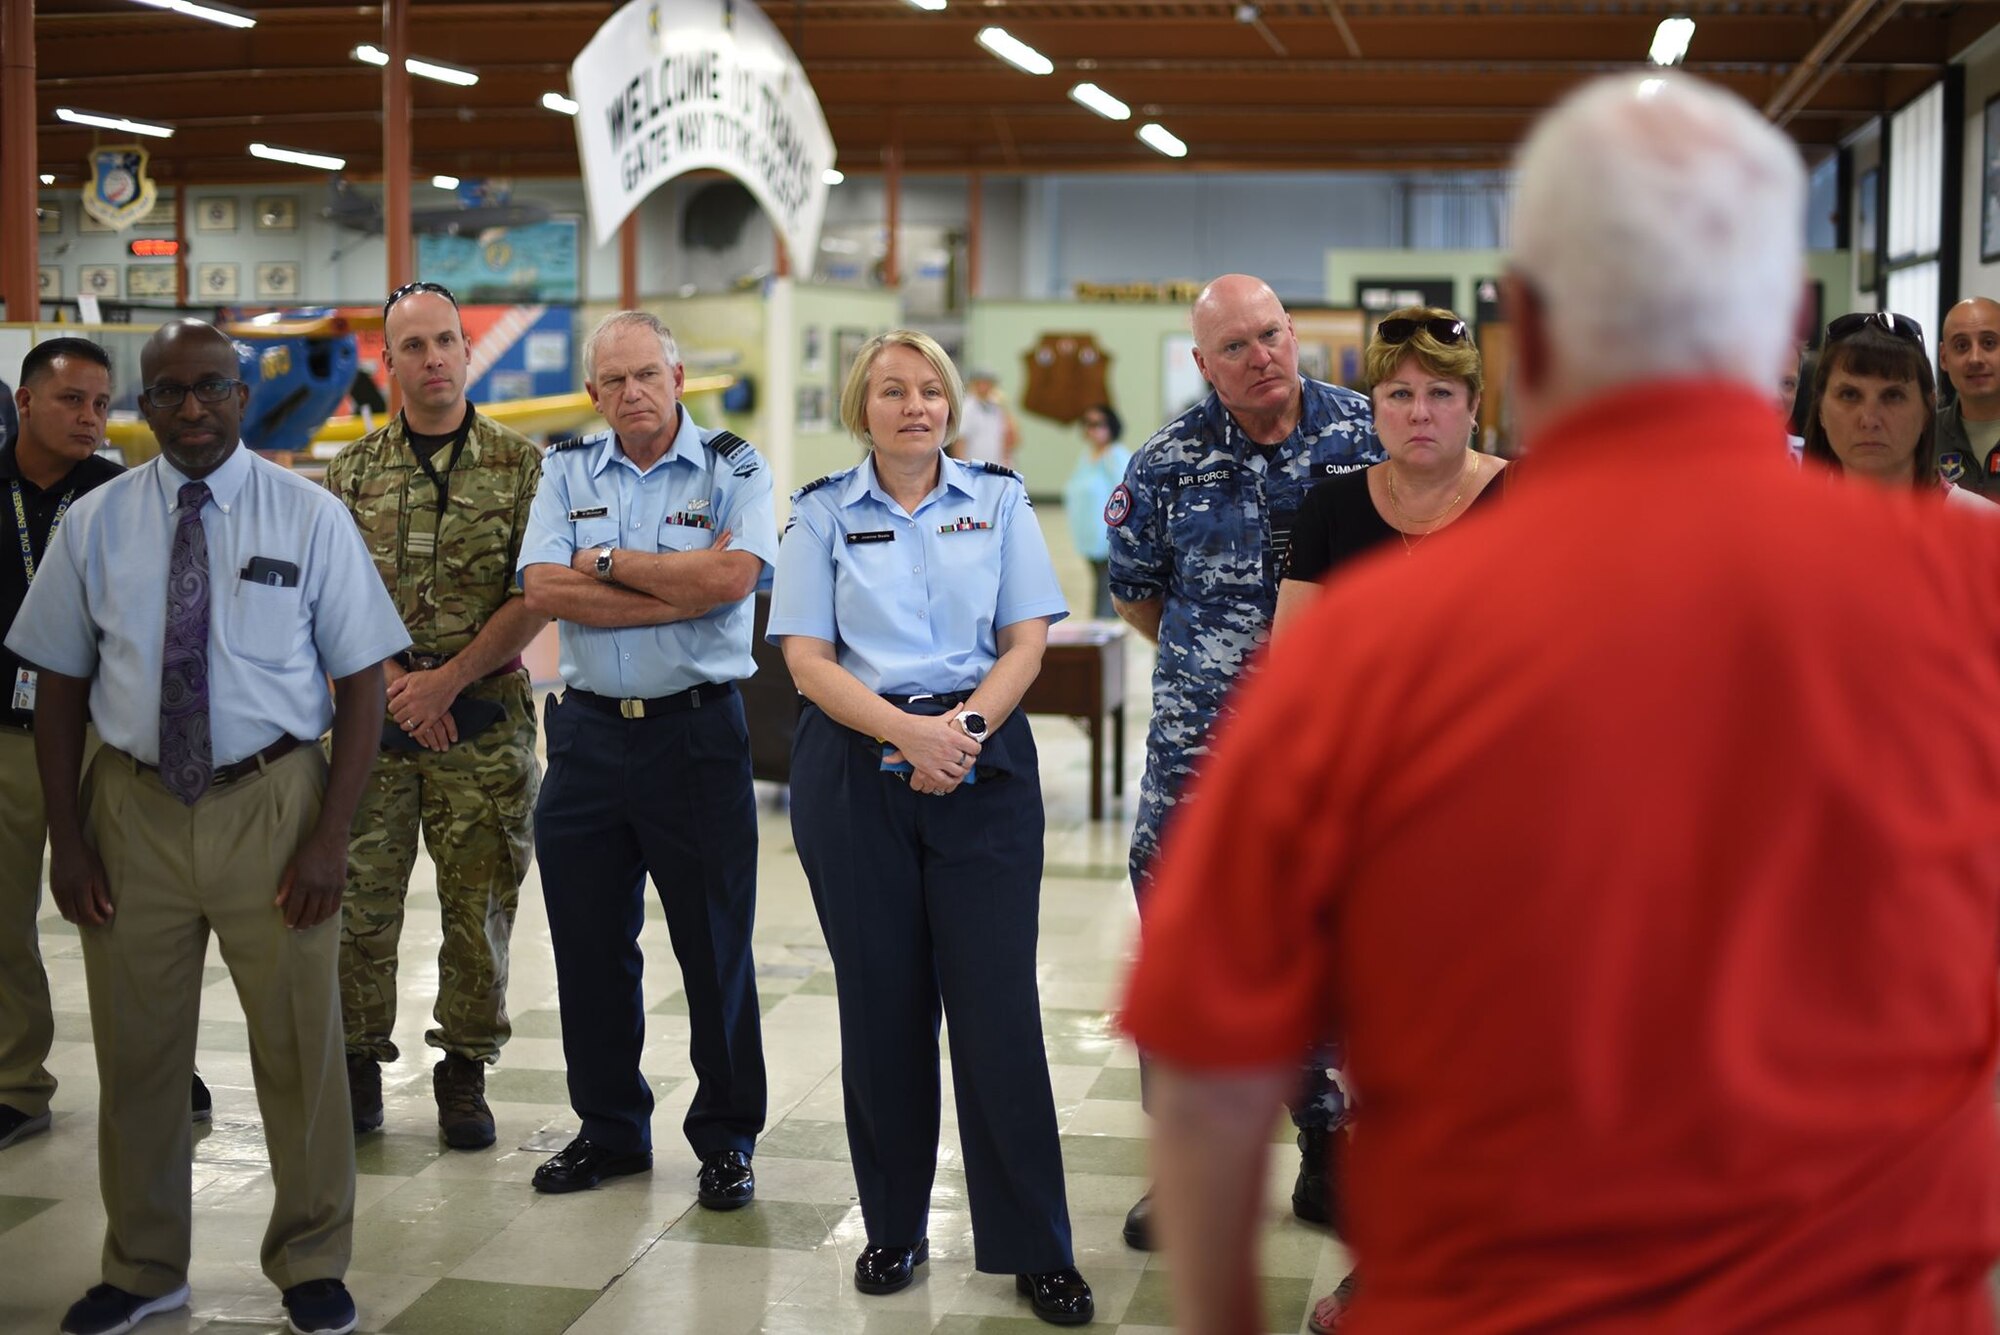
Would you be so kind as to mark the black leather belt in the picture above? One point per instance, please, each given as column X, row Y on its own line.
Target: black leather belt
column 945, row 699
column 248, row 767
column 692, row 698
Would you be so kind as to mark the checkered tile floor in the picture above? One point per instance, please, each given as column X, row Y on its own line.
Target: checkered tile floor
column 452, row 1243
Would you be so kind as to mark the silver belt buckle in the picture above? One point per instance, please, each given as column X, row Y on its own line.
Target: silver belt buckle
column 632, row 708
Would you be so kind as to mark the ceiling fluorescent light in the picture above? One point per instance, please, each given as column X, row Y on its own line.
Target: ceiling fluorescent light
column 445, row 182
column 429, row 69
column 933, row 6
column 223, row 14
column 119, row 123
column 833, row 176
column 48, row 178
column 293, row 155
column 1101, row 102
column 1670, row 40
column 1159, row 140
column 557, row 102
column 1015, row 51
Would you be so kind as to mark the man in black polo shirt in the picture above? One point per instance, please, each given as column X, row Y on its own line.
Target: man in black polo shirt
column 63, row 401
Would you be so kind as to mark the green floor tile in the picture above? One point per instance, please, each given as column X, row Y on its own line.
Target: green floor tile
column 54, row 925
column 795, row 1138
column 1117, row 1082
column 20, row 1209
column 675, row 1003
column 524, row 1084
column 1120, row 1155
column 213, row 973
column 960, row 1323
column 224, row 1036
column 788, row 1225
column 538, row 1024
column 73, row 1026
column 1079, row 1049
column 474, row 1307
column 819, row 985
column 1284, row 1301
column 1084, row 871
column 395, row 1154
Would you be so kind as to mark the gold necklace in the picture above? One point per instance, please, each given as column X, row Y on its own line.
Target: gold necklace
column 1438, row 520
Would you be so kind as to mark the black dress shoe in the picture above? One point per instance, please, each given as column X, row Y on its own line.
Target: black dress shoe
column 889, row 1269
column 1139, row 1225
column 581, row 1165
column 726, row 1180
column 1061, row 1298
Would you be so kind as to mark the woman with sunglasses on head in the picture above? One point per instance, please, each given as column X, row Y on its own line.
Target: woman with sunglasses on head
column 1873, row 411
column 1099, row 470
column 1424, row 377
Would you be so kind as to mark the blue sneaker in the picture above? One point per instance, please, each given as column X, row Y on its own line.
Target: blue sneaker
column 109, row 1310
column 320, row 1307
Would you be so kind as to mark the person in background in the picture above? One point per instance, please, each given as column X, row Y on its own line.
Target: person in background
column 1634, row 851
column 988, row 434
column 1873, row 411
column 1968, row 427
column 1099, row 469
column 913, row 600
column 50, row 461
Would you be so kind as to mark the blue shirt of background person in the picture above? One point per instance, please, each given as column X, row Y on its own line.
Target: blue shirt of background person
column 1099, row 470
column 594, row 496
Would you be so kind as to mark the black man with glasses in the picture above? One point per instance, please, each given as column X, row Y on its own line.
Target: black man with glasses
column 1199, row 531
column 198, row 604
column 441, row 495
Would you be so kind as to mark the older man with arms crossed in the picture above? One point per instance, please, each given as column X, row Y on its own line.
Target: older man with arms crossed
column 647, row 541
column 1659, row 916
column 197, row 605
column 1200, row 531
column 441, row 496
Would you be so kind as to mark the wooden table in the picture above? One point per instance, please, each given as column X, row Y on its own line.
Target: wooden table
column 1083, row 677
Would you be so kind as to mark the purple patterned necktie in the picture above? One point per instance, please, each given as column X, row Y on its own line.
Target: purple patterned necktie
column 186, row 762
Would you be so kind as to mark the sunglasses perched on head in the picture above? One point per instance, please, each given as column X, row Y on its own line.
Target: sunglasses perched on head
column 1890, row 323
column 1403, row 329
column 421, row 285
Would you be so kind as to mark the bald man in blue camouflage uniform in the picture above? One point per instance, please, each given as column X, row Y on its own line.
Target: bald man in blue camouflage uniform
column 1199, row 533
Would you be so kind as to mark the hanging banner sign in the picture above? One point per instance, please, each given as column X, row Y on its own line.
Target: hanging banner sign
column 673, row 86
column 119, row 192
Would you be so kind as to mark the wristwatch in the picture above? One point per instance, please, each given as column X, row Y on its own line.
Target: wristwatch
column 974, row 724
column 604, row 563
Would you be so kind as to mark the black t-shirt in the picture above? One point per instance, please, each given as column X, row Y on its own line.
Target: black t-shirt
column 40, row 507
column 1339, row 522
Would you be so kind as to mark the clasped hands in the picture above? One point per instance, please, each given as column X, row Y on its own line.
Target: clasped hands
column 938, row 750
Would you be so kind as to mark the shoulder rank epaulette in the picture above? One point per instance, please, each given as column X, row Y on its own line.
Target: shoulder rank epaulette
column 989, row 466
column 562, row 443
column 727, row 444
column 815, row 484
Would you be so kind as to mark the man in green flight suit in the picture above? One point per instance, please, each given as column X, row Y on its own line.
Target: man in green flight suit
column 441, row 495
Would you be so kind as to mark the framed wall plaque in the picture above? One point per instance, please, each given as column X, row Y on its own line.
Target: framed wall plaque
column 278, row 280
column 217, row 214
column 51, row 279
column 217, row 281
column 98, row 280
column 151, row 281
column 277, row 213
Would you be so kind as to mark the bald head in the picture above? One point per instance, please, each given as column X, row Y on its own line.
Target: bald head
column 1245, row 348
column 181, row 335
column 1969, row 353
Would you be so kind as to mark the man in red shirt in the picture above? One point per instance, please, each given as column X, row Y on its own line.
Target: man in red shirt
column 1626, row 843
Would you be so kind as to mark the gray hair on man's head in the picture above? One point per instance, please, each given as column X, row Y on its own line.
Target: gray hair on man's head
column 1661, row 222
column 618, row 320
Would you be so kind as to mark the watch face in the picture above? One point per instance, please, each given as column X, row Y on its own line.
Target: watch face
column 975, row 724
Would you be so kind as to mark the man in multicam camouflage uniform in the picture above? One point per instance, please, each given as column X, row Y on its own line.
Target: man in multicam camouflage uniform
column 442, row 498
column 1200, row 529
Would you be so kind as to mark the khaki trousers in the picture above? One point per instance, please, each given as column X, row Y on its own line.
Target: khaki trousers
column 176, row 873
column 27, row 1025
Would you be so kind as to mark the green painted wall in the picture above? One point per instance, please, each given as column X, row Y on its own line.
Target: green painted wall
column 830, row 310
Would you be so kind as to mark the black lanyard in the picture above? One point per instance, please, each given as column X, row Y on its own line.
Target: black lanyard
column 21, row 525
column 442, row 481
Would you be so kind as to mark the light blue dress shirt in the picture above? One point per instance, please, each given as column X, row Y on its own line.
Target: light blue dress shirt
column 98, row 606
column 911, row 602
column 593, row 496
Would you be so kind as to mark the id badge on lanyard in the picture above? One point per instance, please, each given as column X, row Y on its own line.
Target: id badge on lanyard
column 25, row 678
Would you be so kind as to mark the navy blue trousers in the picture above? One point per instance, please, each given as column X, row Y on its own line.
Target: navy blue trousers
column 929, row 907
column 670, row 796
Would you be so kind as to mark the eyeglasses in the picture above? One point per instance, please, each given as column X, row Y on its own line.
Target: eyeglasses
column 173, row 396
column 421, row 285
column 1890, row 323
column 1403, row 329
column 1095, row 422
